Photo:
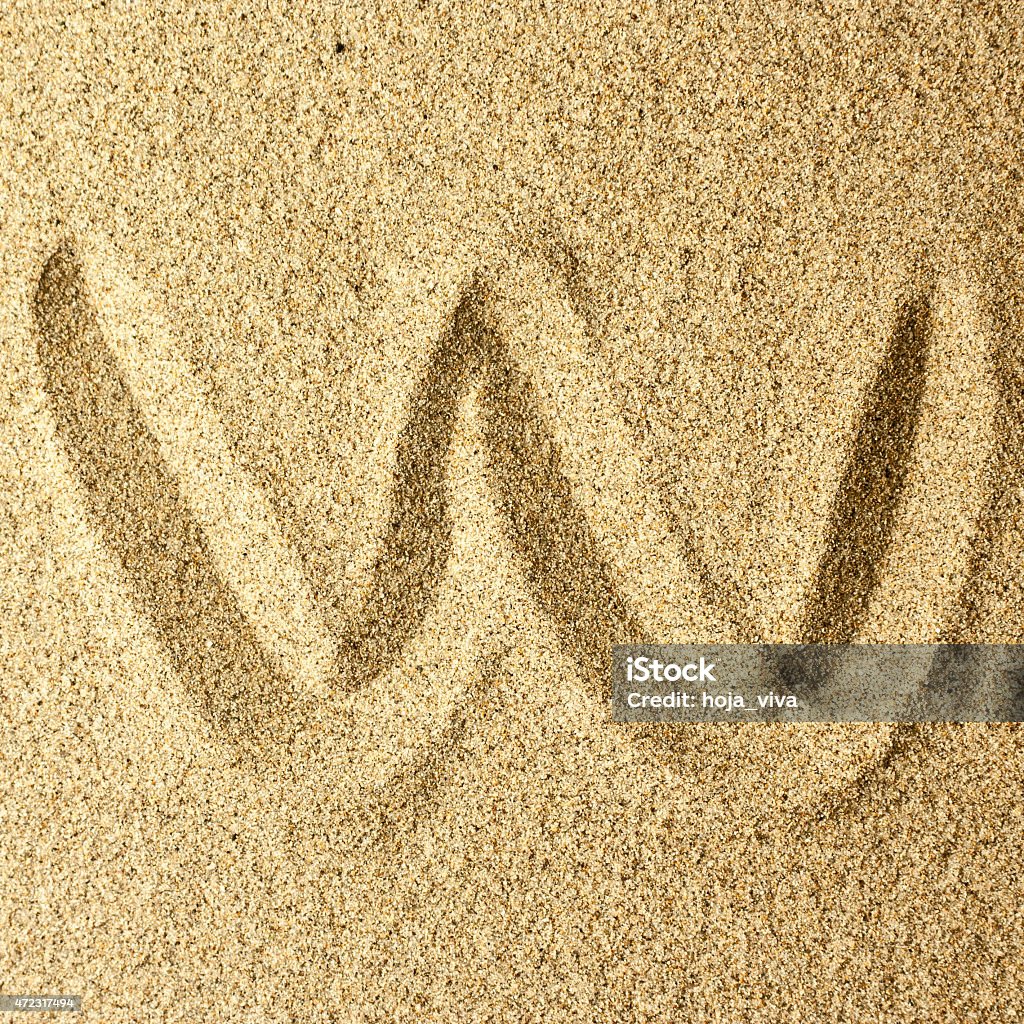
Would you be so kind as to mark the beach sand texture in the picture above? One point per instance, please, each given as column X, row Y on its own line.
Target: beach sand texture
column 368, row 374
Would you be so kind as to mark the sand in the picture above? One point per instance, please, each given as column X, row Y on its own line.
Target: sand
column 366, row 376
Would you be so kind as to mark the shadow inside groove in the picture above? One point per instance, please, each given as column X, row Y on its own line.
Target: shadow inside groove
column 418, row 537
column 863, row 513
column 141, row 514
column 563, row 564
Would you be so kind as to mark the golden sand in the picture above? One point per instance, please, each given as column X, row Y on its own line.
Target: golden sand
column 367, row 375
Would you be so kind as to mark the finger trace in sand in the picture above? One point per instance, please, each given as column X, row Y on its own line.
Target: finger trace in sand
column 417, row 538
column 923, row 579
column 599, row 553
column 142, row 513
column 863, row 512
column 249, row 549
column 648, row 563
column 563, row 562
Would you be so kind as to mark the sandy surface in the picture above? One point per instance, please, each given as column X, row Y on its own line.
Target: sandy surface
column 365, row 377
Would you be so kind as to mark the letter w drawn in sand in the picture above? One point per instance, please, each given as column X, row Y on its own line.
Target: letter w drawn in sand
column 566, row 478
